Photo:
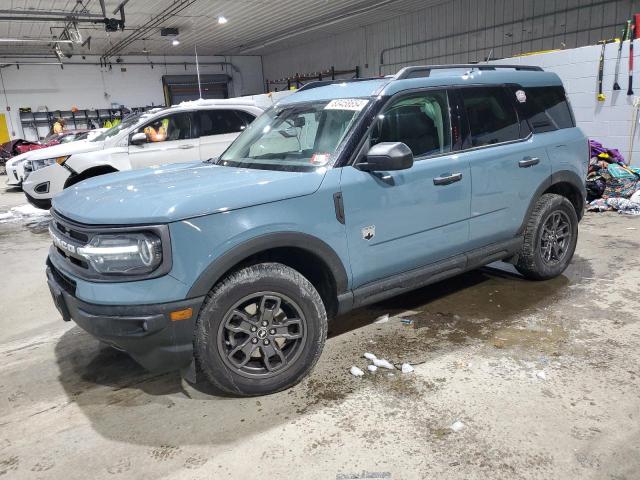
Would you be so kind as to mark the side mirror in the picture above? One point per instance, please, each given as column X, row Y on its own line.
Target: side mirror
column 387, row 156
column 138, row 138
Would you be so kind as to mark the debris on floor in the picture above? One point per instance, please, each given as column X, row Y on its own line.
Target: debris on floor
column 541, row 375
column 406, row 368
column 612, row 184
column 369, row 356
column 382, row 363
column 23, row 212
column 382, row 319
column 356, row 372
column 456, row 426
column 372, row 368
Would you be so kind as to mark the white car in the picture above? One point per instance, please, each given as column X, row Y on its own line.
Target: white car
column 15, row 165
column 190, row 131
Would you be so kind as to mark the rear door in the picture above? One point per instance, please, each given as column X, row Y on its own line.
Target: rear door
column 507, row 164
column 401, row 220
column 218, row 128
column 174, row 142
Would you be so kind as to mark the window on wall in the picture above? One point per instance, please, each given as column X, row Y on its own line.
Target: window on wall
column 420, row 121
column 546, row 108
column 491, row 114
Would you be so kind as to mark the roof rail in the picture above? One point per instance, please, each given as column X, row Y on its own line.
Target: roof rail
column 425, row 71
column 324, row 83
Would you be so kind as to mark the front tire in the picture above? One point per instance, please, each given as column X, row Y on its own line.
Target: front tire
column 260, row 330
column 550, row 238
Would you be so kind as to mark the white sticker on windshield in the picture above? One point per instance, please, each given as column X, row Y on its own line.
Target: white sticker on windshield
column 355, row 104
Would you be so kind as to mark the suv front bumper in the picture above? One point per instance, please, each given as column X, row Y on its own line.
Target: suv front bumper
column 145, row 332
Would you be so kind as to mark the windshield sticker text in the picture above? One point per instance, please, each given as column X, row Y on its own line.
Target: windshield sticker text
column 355, row 104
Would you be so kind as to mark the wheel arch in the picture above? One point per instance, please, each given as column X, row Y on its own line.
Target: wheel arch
column 309, row 255
column 89, row 173
column 565, row 183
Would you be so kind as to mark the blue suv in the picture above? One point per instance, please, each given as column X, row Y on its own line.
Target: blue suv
column 342, row 194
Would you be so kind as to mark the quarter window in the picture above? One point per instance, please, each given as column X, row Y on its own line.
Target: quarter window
column 491, row 114
column 419, row 121
column 219, row 122
column 547, row 109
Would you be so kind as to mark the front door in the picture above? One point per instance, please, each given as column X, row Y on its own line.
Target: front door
column 169, row 140
column 402, row 220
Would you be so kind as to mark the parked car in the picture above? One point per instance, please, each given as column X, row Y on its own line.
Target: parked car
column 192, row 131
column 341, row 195
column 15, row 162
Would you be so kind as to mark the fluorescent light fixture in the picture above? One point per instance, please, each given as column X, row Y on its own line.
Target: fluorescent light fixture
column 222, row 20
column 175, row 42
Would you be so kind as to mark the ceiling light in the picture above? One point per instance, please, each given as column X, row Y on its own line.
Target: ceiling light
column 175, row 42
column 222, row 20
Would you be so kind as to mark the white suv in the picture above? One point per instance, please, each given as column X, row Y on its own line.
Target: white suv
column 191, row 131
column 15, row 165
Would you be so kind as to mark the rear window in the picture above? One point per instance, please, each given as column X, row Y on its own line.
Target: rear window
column 547, row 109
column 218, row 122
column 491, row 114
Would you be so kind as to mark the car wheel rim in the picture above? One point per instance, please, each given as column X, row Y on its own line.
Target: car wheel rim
column 262, row 335
column 555, row 238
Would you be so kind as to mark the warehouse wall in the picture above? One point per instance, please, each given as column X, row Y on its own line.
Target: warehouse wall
column 457, row 31
column 608, row 122
column 91, row 86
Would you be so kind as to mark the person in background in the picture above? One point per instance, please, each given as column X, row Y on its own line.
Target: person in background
column 157, row 131
column 58, row 126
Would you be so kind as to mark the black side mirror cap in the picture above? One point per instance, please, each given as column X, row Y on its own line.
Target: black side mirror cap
column 387, row 156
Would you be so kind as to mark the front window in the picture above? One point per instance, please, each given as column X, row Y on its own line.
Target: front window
column 176, row 126
column 113, row 131
column 298, row 137
column 420, row 121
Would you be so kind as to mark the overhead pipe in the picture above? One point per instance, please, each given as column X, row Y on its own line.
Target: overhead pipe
column 152, row 64
column 138, row 33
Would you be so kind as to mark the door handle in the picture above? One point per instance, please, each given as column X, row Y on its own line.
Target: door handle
column 186, row 147
column 528, row 162
column 447, row 179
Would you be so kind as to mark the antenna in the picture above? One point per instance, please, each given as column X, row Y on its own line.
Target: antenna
column 198, row 71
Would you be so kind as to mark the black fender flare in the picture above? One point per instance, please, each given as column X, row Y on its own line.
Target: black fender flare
column 561, row 176
column 313, row 245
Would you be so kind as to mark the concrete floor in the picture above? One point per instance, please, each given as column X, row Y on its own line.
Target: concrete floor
column 71, row 408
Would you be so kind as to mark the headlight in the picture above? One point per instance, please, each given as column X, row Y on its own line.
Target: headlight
column 45, row 162
column 123, row 254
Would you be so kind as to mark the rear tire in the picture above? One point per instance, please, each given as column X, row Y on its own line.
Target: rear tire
column 550, row 238
column 260, row 330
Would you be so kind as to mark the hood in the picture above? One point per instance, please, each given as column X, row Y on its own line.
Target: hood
column 176, row 192
column 69, row 148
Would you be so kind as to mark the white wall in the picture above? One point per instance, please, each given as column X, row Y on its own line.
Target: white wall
column 90, row 86
column 608, row 122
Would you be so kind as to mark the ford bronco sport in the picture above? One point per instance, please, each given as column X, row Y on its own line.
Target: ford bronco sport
column 340, row 195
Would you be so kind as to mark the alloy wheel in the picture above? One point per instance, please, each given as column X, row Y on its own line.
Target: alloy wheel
column 262, row 334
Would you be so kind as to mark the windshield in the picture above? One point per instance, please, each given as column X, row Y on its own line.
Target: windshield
column 297, row 137
column 124, row 125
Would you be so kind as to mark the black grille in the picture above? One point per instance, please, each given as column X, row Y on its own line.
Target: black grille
column 65, row 282
column 71, row 233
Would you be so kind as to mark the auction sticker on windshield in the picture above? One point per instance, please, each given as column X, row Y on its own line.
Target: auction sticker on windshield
column 355, row 104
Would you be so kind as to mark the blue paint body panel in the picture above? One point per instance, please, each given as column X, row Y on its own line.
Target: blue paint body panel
column 212, row 209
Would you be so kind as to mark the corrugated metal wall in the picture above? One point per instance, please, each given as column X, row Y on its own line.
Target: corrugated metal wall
column 458, row 31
